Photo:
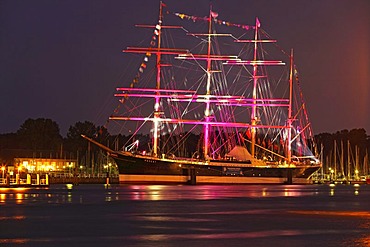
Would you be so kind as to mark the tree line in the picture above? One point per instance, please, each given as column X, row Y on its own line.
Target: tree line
column 41, row 138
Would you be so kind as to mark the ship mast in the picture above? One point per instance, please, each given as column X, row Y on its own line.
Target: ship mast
column 208, row 89
column 256, row 62
column 290, row 119
column 158, row 92
column 158, row 86
column 254, row 93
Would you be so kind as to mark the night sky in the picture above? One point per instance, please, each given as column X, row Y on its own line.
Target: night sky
column 62, row 59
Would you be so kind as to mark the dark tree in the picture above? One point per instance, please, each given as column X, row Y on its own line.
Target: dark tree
column 39, row 134
column 102, row 135
column 74, row 141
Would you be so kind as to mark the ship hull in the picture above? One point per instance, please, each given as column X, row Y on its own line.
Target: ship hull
column 145, row 169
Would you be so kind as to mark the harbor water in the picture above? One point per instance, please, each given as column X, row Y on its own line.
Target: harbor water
column 184, row 215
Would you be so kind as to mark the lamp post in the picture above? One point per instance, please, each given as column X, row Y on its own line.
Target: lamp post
column 3, row 169
column 331, row 174
column 356, row 172
column 70, row 166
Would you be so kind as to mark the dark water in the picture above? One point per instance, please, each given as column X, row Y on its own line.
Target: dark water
column 138, row 215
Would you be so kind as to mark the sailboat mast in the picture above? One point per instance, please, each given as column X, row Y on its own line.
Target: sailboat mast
column 335, row 153
column 158, row 85
column 357, row 164
column 208, row 88
column 341, row 158
column 365, row 167
column 348, row 161
column 254, row 93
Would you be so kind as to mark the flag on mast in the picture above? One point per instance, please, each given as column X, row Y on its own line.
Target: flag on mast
column 214, row 14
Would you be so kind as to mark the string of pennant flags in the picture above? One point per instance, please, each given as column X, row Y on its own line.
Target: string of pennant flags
column 214, row 16
column 141, row 69
column 143, row 64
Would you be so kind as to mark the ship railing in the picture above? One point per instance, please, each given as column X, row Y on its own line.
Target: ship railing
column 82, row 175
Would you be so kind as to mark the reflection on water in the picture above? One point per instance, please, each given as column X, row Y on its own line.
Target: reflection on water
column 180, row 215
column 82, row 193
column 16, row 194
column 365, row 239
column 15, row 217
column 211, row 192
column 363, row 215
column 233, row 235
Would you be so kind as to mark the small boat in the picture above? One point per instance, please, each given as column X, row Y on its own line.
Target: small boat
column 220, row 109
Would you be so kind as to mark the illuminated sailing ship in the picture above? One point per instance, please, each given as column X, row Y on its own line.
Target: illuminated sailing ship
column 251, row 129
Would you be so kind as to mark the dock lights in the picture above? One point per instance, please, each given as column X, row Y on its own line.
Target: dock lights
column 357, row 187
column 356, row 173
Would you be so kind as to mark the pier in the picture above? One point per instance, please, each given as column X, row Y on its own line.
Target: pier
column 45, row 179
column 30, row 180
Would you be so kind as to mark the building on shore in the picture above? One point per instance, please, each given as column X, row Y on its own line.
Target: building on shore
column 47, row 165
